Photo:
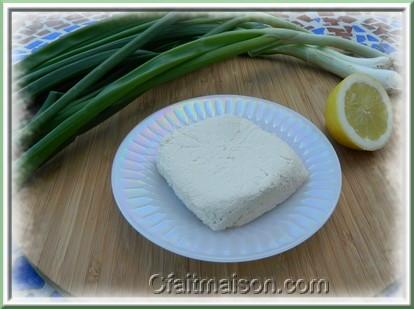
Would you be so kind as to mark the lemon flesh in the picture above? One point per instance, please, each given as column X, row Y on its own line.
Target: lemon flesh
column 365, row 111
column 358, row 113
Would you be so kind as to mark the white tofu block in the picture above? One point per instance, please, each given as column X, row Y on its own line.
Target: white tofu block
column 228, row 171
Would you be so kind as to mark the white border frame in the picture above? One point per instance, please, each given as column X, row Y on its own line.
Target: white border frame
column 403, row 300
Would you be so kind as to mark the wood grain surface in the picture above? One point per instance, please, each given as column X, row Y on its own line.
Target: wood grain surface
column 69, row 227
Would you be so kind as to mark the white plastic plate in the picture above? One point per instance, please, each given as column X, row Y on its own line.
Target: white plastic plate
column 151, row 207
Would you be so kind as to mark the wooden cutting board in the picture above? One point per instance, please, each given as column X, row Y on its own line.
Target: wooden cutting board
column 71, row 230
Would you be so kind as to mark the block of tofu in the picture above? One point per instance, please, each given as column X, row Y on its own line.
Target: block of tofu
column 228, row 171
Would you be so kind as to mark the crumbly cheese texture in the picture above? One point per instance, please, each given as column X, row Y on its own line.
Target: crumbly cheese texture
column 228, row 171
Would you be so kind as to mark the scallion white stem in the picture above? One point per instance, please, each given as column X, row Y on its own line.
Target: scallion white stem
column 381, row 62
column 391, row 80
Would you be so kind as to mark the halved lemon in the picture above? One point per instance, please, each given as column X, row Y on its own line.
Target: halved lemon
column 359, row 114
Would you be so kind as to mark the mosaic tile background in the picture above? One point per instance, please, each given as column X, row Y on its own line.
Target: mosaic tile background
column 381, row 31
column 31, row 31
column 26, row 282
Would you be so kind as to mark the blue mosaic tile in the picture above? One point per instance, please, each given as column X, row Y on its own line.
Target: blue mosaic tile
column 360, row 38
column 384, row 47
column 357, row 28
column 33, row 44
column 319, row 30
column 71, row 28
column 387, row 48
column 376, row 46
column 52, row 36
column 372, row 38
column 24, row 276
column 38, row 47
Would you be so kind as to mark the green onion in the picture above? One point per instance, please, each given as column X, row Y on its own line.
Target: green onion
column 340, row 66
column 45, row 69
column 33, row 130
column 114, row 41
column 185, row 43
column 66, row 72
column 91, row 33
column 88, row 58
column 52, row 97
column 69, row 128
column 380, row 62
column 262, row 18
